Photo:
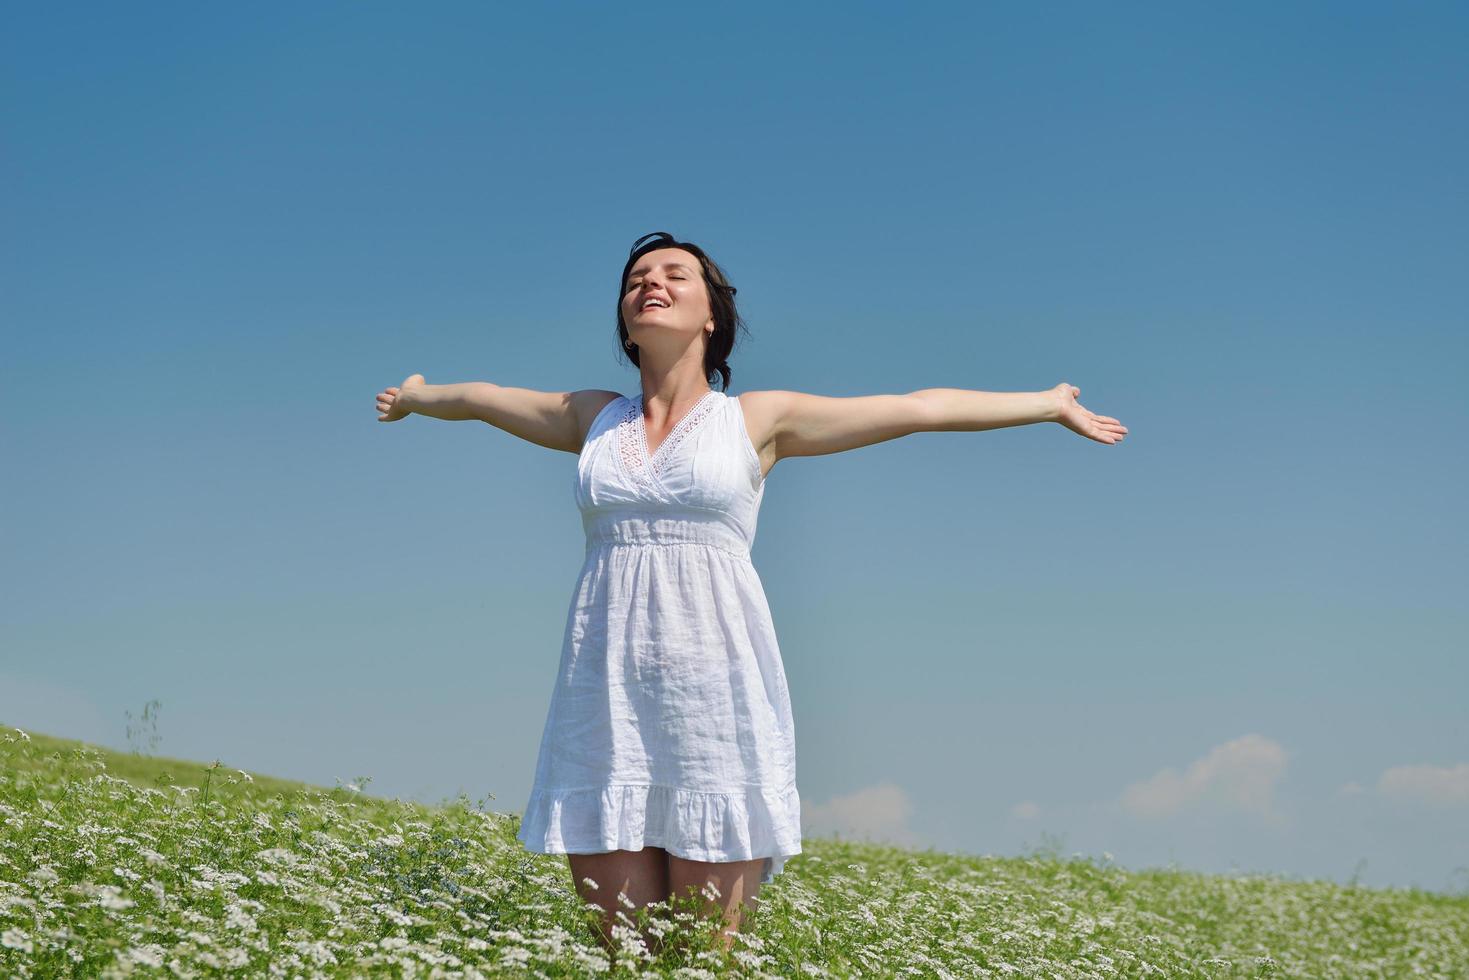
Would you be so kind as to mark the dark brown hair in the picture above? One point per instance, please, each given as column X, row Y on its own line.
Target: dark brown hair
column 727, row 321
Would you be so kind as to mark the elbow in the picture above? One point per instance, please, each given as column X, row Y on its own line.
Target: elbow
column 922, row 411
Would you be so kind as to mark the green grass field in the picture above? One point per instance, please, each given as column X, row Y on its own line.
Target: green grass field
column 114, row 864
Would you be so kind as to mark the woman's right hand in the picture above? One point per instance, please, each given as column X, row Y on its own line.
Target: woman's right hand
column 391, row 403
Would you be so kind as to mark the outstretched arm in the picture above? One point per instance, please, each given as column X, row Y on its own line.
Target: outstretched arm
column 793, row 423
column 554, row 419
column 959, row 409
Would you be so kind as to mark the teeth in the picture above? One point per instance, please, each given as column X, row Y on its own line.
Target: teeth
column 655, row 302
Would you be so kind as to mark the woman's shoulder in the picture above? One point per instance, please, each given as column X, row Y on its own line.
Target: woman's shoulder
column 589, row 405
column 593, row 400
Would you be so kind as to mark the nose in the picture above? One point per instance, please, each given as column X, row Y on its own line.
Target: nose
column 648, row 288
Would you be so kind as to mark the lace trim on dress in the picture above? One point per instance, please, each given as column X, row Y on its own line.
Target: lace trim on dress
column 627, row 449
column 632, row 433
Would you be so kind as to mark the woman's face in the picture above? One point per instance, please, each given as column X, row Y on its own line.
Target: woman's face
column 670, row 277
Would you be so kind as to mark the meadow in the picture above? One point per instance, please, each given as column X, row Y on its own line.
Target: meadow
column 115, row 864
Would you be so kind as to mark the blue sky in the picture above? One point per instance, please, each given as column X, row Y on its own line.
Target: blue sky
column 1236, row 641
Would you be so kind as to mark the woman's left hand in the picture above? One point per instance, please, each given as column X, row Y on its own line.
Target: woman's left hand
column 1076, row 418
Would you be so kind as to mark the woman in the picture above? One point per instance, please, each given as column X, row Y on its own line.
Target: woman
column 667, row 762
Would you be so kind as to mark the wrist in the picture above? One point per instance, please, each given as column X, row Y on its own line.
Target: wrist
column 1052, row 401
column 411, row 399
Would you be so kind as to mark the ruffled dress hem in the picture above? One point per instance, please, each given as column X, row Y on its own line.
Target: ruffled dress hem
column 691, row 824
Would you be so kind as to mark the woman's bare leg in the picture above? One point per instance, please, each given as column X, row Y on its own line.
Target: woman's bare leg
column 738, row 883
column 641, row 875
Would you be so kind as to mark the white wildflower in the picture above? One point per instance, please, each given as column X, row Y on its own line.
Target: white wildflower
column 110, row 897
column 238, row 918
column 44, row 875
column 629, row 938
column 150, row 955
column 318, row 951
column 396, row 917
column 14, row 938
column 278, row 855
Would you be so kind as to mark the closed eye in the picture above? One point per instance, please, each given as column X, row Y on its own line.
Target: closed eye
column 635, row 285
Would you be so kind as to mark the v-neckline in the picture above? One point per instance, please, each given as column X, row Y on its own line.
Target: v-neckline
column 650, row 456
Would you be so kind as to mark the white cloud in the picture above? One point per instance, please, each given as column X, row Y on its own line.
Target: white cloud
column 1241, row 775
column 1428, row 783
column 878, row 813
column 1027, row 810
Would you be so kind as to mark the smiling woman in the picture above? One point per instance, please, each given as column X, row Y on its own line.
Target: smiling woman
column 664, row 270
column 667, row 763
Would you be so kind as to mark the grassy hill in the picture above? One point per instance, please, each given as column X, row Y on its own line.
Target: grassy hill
column 114, row 864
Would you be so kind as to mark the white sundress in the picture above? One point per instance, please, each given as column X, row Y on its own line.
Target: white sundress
column 670, row 723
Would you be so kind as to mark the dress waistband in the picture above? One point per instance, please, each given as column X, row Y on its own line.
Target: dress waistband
column 613, row 529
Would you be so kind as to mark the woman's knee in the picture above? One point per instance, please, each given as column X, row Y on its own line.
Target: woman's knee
column 730, row 886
